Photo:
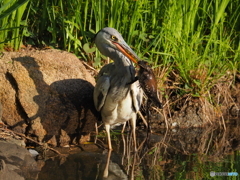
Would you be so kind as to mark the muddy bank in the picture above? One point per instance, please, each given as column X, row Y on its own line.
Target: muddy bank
column 89, row 161
column 219, row 106
column 162, row 153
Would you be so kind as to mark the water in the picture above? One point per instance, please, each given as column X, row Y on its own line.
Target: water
column 167, row 154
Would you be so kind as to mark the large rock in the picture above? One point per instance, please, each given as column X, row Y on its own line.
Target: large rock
column 44, row 92
column 16, row 163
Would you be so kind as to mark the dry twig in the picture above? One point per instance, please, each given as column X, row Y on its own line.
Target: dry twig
column 30, row 139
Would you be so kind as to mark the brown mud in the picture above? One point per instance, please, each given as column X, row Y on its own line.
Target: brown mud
column 221, row 105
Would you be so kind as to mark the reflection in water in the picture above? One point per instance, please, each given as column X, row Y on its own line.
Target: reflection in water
column 112, row 170
column 178, row 154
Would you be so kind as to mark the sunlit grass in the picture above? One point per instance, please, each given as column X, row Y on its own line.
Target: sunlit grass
column 11, row 13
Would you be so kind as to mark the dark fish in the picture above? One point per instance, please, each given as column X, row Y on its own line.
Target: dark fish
column 148, row 82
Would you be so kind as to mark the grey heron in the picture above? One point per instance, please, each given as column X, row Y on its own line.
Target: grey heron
column 116, row 96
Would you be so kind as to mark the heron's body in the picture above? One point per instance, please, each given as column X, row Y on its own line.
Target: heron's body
column 117, row 99
column 117, row 103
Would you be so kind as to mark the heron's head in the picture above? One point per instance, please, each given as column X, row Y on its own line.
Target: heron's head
column 109, row 42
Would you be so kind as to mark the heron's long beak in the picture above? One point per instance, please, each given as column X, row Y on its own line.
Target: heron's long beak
column 127, row 51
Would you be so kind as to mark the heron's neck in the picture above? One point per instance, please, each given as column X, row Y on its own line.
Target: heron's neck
column 120, row 60
column 123, row 66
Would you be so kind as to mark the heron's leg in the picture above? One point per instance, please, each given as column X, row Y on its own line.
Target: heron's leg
column 105, row 172
column 107, row 127
column 133, row 167
column 133, row 123
column 124, row 147
column 124, row 125
column 142, row 117
column 96, row 128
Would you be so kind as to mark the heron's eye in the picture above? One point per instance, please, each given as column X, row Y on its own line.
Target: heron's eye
column 114, row 38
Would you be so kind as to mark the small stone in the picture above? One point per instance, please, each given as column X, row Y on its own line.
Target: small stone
column 33, row 152
column 174, row 124
column 38, row 129
column 84, row 138
column 53, row 141
column 64, row 139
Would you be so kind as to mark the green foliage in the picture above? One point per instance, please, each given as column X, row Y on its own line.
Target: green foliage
column 11, row 13
column 199, row 40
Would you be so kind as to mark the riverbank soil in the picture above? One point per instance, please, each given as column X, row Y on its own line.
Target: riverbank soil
column 219, row 106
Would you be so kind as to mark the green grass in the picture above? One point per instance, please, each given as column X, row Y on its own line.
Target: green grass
column 198, row 40
column 11, row 13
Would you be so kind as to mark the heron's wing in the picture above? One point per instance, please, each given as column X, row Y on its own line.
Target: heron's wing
column 137, row 95
column 102, row 87
column 100, row 91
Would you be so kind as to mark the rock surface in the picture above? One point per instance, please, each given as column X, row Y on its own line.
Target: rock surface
column 44, row 92
column 16, row 162
column 0, row 112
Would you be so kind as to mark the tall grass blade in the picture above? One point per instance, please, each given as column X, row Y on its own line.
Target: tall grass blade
column 13, row 7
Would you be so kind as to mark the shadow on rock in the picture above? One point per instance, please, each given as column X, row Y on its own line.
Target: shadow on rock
column 62, row 105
